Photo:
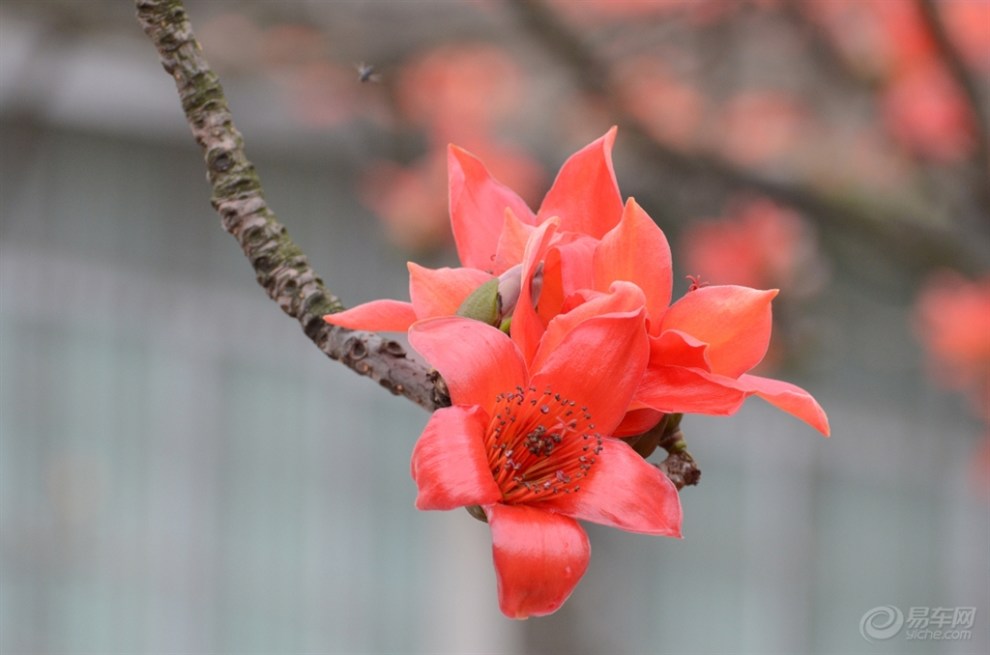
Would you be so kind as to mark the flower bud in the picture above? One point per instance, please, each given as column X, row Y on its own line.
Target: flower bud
column 494, row 301
column 509, row 286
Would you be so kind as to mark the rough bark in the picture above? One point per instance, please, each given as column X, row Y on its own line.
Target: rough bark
column 280, row 266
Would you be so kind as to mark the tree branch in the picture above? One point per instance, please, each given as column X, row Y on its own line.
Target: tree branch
column 280, row 266
column 892, row 231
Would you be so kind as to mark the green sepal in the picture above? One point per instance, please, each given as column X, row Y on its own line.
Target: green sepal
column 483, row 304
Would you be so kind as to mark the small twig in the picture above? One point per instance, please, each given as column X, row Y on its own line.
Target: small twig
column 891, row 231
column 963, row 76
column 279, row 264
column 679, row 466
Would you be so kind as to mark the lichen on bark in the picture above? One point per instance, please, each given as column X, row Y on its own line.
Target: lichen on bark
column 280, row 266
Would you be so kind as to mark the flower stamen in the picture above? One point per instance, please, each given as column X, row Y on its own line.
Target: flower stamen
column 540, row 444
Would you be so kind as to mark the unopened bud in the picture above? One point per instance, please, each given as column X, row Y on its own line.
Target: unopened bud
column 509, row 286
column 477, row 512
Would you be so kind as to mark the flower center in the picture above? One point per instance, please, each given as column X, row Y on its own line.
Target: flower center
column 540, row 444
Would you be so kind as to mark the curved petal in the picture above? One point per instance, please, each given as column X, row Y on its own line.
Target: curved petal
column 376, row 316
column 477, row 361
column 636, row 250
column 676, row 348
column 637, row 421
column 624, row 297
column 788, row 397
column 539, row 558
column 527, row 326
column 449, row 462
column 567, row 270
column 440, row 292
column 674, row 389
column 624, row 491
column 585, row 194
column 477, row 208
column 511, row 242
column 598, row 365
column 734, row 321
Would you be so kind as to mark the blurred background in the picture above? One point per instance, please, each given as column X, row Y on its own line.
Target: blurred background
column 181, row 471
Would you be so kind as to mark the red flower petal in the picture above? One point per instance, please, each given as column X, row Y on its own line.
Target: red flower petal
column 527, row 326
column 675, row 348
column 539, row 558
column 625, row 298
column 440, row 292
column 624, row 491
column 376, row 316
column 476, row 360
column 788, row 397
column 449, row 462
column 566, row 270
column 477, row 208
column 636, row 250
column 637, row 421
column 511, row 242
column 673, row 389
column 734, row 321
column 585, row 194
column 598, row 364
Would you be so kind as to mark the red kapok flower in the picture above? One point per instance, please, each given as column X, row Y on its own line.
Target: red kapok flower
column 952, row 318
column 492, row 225
column 433, row 292
column 585, row 196
column 530, row 444
column 707, row 343
column 702, row 346
column 758, row 244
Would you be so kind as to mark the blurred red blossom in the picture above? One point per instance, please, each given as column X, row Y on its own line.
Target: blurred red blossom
column 922, row 106
column 969, row 25
column 669, row 108
column 759, row 126
column 758, row 244
column 456, row 92
column 459, row 91
column 924, row 109
column 952, row 317
column 698, row 12
column 412, row 200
